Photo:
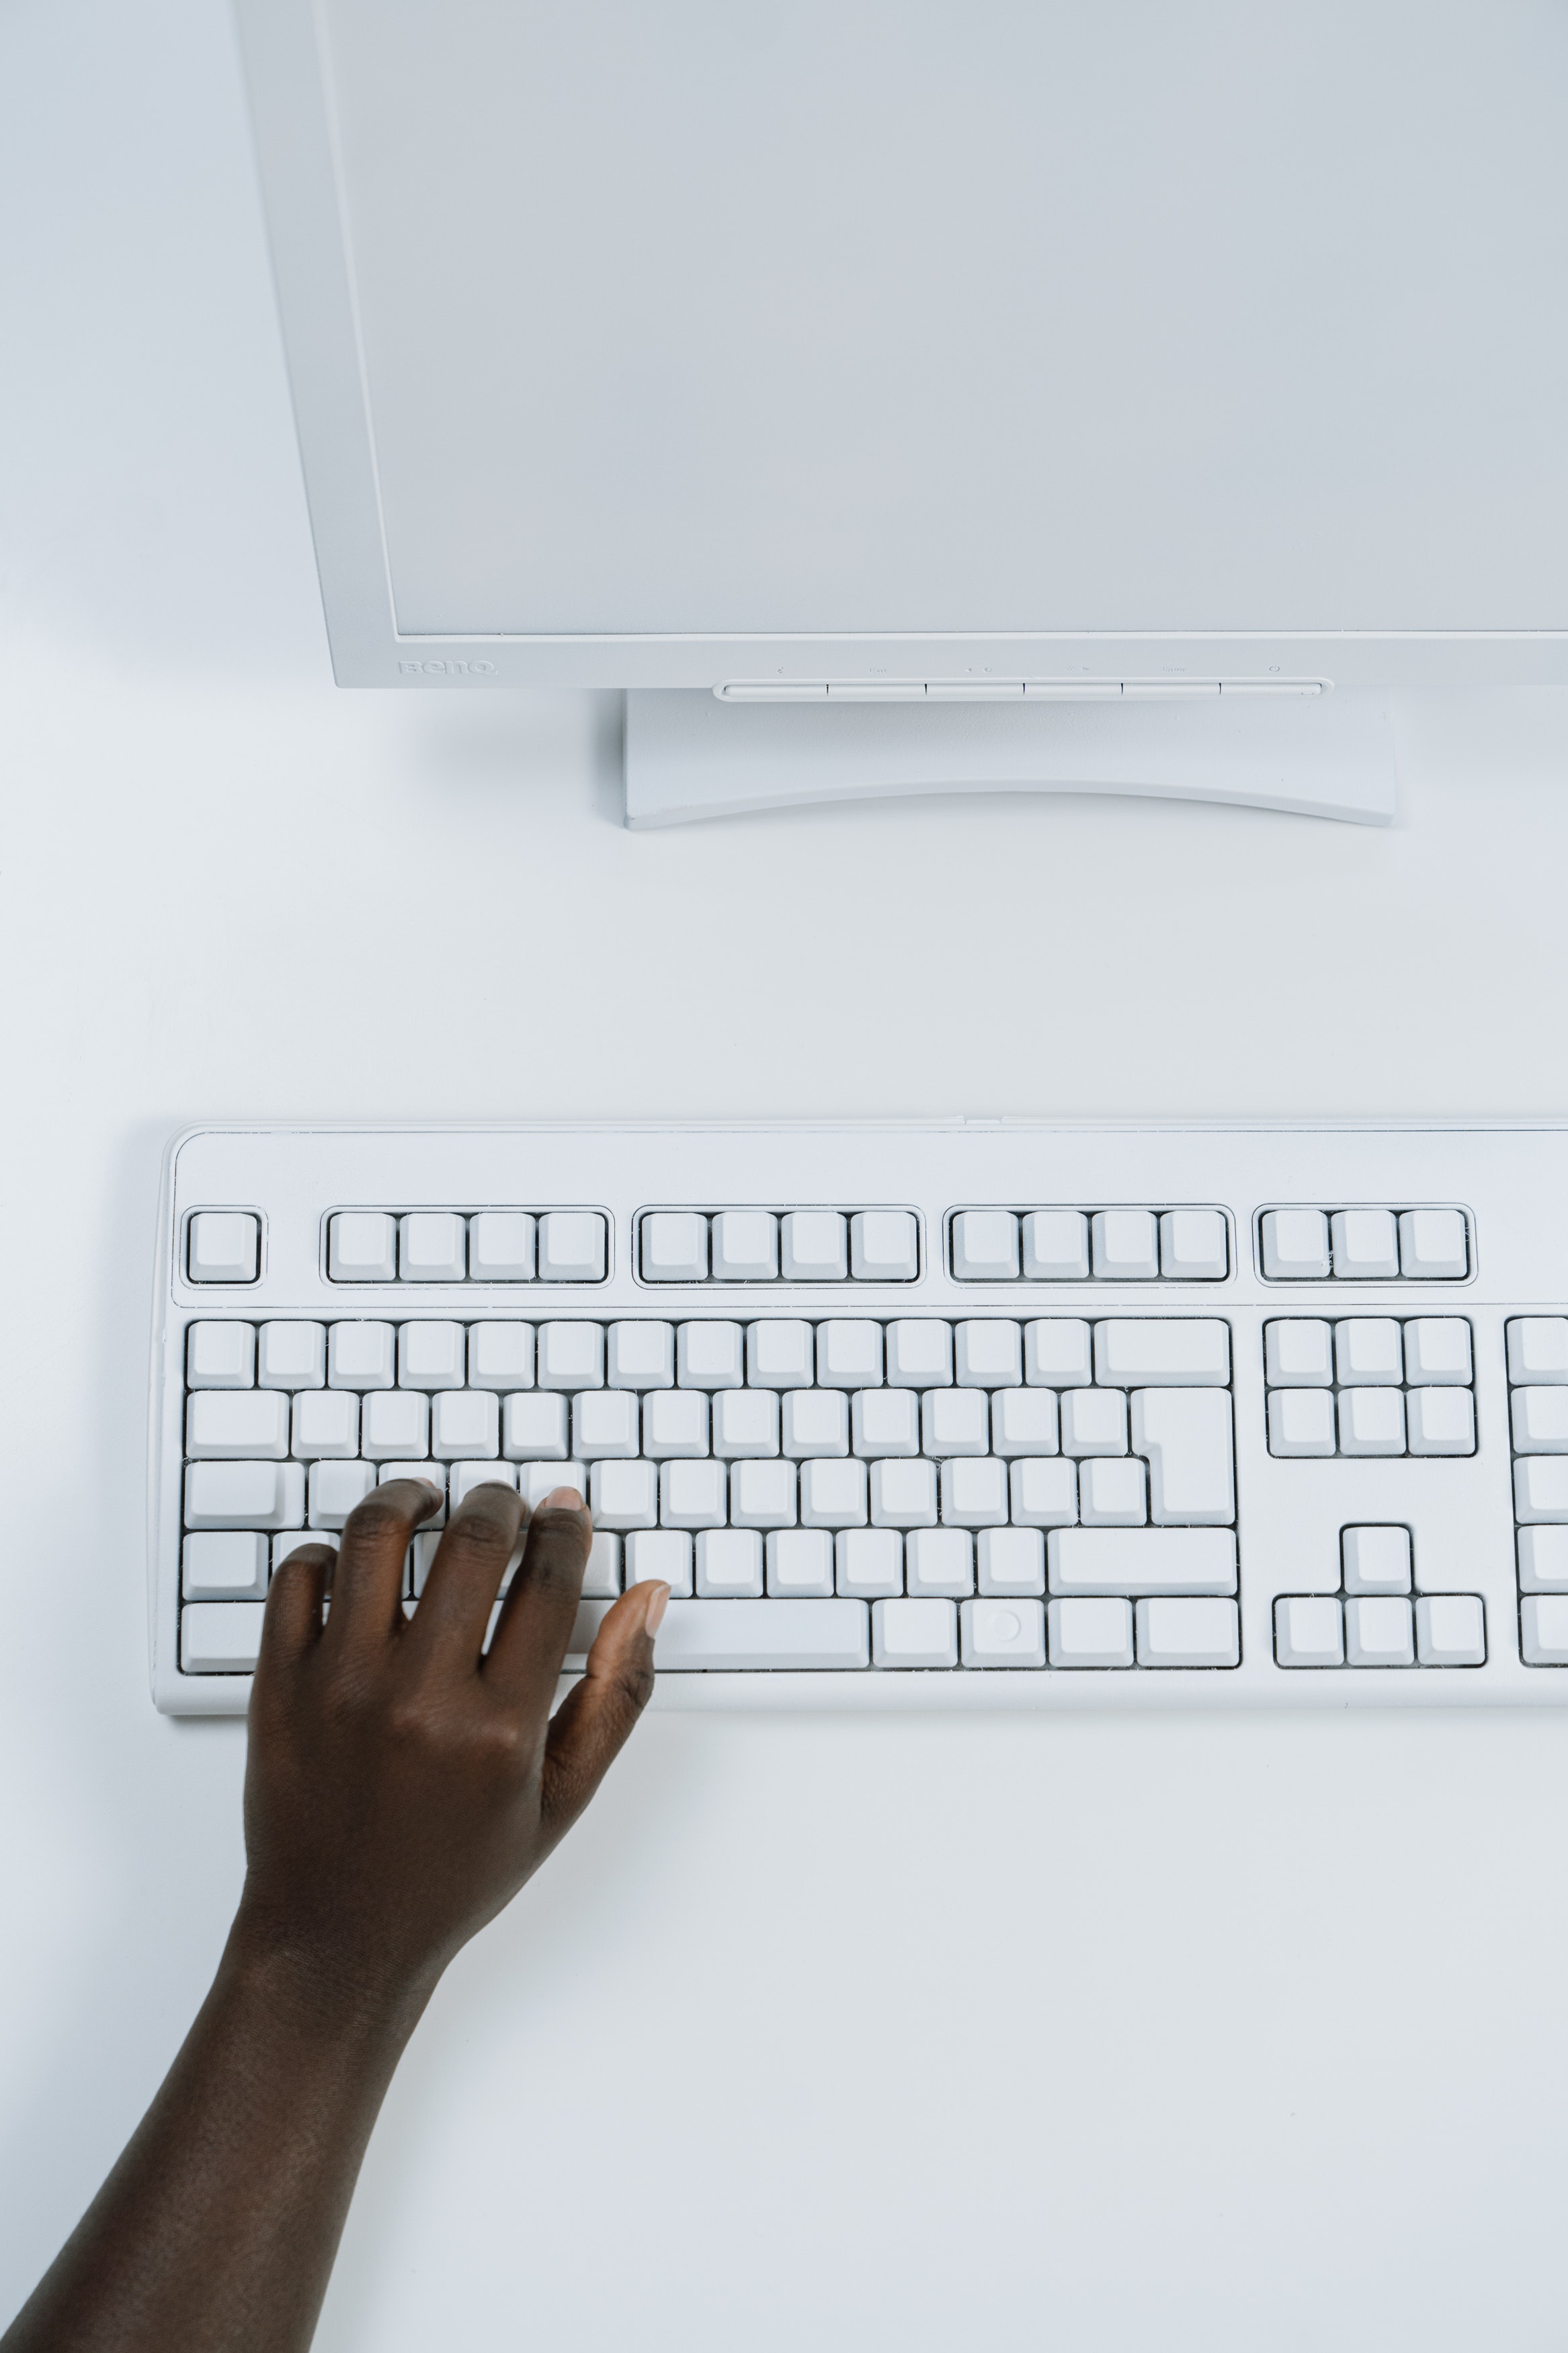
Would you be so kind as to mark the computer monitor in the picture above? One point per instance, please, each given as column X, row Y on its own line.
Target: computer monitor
column 887, row 394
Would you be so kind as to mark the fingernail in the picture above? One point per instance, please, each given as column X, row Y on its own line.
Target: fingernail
column 653, row 1616
column 563, row 1498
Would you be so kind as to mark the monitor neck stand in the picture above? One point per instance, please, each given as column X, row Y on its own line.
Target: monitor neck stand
column 690, row 754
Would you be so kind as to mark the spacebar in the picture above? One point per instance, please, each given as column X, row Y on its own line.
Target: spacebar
column 734, row 1634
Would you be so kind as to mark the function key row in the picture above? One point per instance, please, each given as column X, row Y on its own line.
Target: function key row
column 445, row 1246
column 1089, row 1245
column 1311, row 1245
column 778, row 1246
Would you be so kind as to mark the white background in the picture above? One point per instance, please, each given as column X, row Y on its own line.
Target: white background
column 1105, row 2032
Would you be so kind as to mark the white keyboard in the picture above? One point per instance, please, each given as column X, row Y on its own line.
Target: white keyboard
column 977, row 1414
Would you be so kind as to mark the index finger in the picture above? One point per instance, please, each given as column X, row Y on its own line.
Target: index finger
column 523, row 1663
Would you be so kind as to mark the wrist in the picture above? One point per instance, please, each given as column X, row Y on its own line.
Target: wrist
column 312, row 1988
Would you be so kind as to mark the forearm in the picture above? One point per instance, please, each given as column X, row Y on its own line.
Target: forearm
column 218, row 2226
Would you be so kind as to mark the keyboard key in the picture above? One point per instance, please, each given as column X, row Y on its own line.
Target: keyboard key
column 1002, row 1633
column 781, row 1356
column 814, row 1246
column 938, row 1561
column 1369, row 1352
column 1371, row 1421
column 974, row 1491
column 1378, row 1633
column 1543, row 1560
column 1010, row 1560
column 1059, row 1354
column 1179, row 1352
column 659, row 1555
column 434, row 1475
column 1365, row 1245
column 799, row 1563
column 262, row 1496
column 1299, row 1353
column 1044, row 1493
column 1300, row 1422
column 886, row 1422
column 674, row 1246
column 692, row 1495
column 605, row 1422
column 920, row 1633
column 432, row 1247
column 292, row 1355
column 1295, row 1245
column 602, row 1575
column 870, row 1562
column 1140, row 1560
column 902, row 1493
column 1441, row 1421
column 1433, row 1246
column 804, row 1635
column 335, row 1488
column 536, row 1480
column 220, row 1638
column 224, row 1246
column 674, row 1422
column 502, row 1245
column 1124, row 1245
column 362, row 1246
column 220, row 1355
column 745, row 1245
column 987, row 1354
column 1022, row 1422
column 500, row 1356
column 225, row 1565
column 1544, row 1629
column 533, row 1427
column 1193, row 1246
column 1538, row 1349
column 1089, row 1634
column 1188, row 1633
column 814, row 1422
column 848, row 1355
column 574, row 1246
column 640, row 1357
column 394, row 1423
column 362, row 1357
column 1113, row 1493
column 326, row 1424
column 955, row 1422
column 883, row 1246
column 709, row 1356
column 1309, row 1630
column 1376, row 1559
column 1436, row 1350
column 1540, row 1420
column 570, row 1357
column 832, row 1492
column 1450, row 1630
column 1056, row 1246
column 623, row 1494
column 762, row 1495
column 227, row 1425
column 745, row 1422
column 985, row 1246
column 729, row 1564
column 1540, row 1488
column 465, row 1422
column 1094, row 1422
column 1186, row 1437
column 431, row 1355
column 919, row 1354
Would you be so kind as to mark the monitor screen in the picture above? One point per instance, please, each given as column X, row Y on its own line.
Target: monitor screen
column 715, row 320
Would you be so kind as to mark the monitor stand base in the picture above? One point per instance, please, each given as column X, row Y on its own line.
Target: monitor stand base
column 691, row 756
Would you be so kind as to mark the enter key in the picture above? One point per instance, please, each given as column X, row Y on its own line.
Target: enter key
column 1185, row 1435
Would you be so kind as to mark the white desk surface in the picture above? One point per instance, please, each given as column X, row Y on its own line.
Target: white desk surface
column 1110, row 2033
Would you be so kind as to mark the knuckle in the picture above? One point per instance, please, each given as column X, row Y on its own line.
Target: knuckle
column 376, row 1518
